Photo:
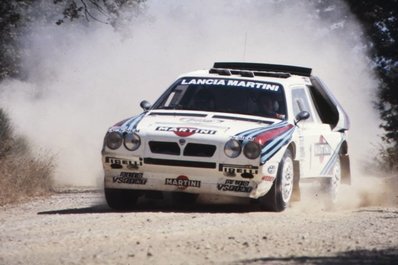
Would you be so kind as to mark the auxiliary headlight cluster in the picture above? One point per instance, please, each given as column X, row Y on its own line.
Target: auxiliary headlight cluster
column 130, row 140
column 233, row 148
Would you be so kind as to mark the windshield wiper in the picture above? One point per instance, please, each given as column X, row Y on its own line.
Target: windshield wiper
column 178, row 106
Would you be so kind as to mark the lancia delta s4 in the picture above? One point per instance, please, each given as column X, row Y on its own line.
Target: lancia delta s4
column 237, row 129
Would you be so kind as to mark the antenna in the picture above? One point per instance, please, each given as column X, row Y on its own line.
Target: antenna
column 244, row 47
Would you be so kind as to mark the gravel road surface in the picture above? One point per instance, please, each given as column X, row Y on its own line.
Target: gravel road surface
column 77, row 227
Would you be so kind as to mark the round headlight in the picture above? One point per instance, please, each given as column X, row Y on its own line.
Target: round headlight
column 232, row 148
column 252, row 150
column 114, row 140
column 132, row 141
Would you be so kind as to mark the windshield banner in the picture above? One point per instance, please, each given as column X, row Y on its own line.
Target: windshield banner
column 231, row 82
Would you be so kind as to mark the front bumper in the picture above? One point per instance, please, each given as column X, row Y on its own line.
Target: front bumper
column 199, row 177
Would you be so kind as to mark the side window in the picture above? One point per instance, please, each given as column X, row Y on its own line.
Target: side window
column 300, row 102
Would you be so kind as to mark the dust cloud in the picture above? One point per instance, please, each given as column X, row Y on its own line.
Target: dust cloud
column 82, row 80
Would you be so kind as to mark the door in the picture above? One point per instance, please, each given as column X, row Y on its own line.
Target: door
column 316, row 140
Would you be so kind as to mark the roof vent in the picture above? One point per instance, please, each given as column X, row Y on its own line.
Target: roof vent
column 219, row 71
column 246, row 73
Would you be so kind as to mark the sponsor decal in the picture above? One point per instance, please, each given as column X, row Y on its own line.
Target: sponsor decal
column 182, row 182
column 184, row 131
column 235, row 185
column 232, row 170
column 128, row 125
column 199, row 120
column 121, row 130
column 128, row 163
column 130, row 178
column 242, row 138
column 322, row 149
column 268, row 178
column 231, row 82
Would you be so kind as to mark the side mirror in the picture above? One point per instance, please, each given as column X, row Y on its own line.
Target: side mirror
column 145, row 105
column 301, row 116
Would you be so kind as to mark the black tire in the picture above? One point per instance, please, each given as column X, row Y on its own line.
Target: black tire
column 278, row 197
column 121, row 200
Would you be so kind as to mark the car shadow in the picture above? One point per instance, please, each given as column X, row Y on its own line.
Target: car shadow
column 95, row 209
column 377, row 211
column 383, row 256
column 146, row 207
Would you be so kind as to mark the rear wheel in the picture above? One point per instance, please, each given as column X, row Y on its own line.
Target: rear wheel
column 331, row 185
column 121, row 200
column 279, row 195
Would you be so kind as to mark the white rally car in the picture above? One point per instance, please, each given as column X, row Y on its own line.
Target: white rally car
column 238, row 129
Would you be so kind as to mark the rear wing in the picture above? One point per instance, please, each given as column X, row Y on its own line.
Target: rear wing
column 260, row 67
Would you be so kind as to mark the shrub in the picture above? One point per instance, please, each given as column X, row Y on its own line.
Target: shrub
column 22, row 173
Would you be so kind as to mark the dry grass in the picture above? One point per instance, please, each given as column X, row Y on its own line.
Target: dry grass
column 22, row 174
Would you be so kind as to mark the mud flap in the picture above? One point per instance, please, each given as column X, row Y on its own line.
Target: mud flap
column 296, row 195
column 345, row 169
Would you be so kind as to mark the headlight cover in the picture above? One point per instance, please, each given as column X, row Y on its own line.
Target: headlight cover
column 132, row 141
column 114, row 140
column 252, row 150
column 232, row 148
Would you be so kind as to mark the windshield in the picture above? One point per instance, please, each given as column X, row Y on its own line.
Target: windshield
column 257, row 98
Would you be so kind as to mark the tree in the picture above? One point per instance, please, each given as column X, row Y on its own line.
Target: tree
column 380, row 22
column 105, row 11
column 16, row 17
column 11, row 23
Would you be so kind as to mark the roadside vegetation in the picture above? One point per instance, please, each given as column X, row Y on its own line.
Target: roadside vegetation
column 379, row 20
column 22, row 173
column 25, row 173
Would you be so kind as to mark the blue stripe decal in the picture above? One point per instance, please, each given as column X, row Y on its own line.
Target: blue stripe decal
column 274, row 142
column 327, row 170
column 257, row 130
column 272, row 148
column 254, row 132
column 132, row 123
column 243, row 134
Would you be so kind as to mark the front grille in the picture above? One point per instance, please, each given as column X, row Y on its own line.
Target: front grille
column 165, row 148
column 201, row 150
column 179, row 163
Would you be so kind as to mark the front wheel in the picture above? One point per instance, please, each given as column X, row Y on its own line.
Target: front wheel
column 121, row 200
column 279, row 195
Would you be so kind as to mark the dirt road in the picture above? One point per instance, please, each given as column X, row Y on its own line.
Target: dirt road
column 76, row 227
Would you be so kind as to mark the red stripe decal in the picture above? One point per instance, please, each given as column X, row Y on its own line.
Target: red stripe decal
column 268, row 135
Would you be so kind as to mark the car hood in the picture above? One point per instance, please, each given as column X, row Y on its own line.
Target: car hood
column 211, row 128
column 190, row 123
